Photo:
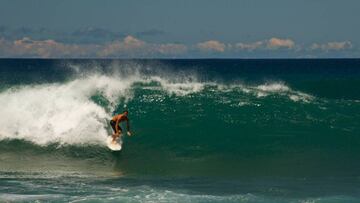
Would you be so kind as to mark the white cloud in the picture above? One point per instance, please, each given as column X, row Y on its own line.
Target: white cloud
column 269, row 44
column 171, row 49
column 132, row 42
column 211, row 46
column 27, row 47
column 133, row 47
column 332, row 46
column 249, row 46
column 129, row 45
column 276, row 43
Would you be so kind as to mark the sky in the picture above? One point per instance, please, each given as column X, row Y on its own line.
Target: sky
column 180, row 28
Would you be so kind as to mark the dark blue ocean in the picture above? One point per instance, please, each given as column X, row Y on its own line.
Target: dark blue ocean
column 207, row 130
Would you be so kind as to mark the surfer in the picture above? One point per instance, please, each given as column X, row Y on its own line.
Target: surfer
column 116, row 120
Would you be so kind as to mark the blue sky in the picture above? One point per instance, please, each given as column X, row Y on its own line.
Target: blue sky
column 180, row 28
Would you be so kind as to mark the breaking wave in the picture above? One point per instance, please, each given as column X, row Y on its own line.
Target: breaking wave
column 76, row 112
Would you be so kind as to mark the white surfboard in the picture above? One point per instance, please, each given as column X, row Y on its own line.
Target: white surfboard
column 114, row 146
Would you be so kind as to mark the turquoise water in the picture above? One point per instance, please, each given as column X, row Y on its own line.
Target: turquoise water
column 204, row 130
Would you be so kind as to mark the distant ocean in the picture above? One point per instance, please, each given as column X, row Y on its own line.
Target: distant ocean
column 210, row 130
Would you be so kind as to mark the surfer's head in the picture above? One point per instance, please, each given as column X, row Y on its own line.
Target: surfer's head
column 125, row 112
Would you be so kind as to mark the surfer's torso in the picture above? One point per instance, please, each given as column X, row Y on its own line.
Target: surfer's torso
column 119, row 118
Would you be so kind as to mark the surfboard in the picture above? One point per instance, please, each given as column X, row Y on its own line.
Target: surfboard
column 114, row 146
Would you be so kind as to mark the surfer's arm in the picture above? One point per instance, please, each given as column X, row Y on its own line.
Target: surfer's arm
column 127, row 124
column 128, row 127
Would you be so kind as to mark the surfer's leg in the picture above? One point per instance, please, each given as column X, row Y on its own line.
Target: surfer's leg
column 113, row 137
column 113, row 123
column 120, row 132
column 117, row 135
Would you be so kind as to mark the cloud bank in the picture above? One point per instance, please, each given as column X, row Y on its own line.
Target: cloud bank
column 133, row 47
column 332, row 46
column 276, row 43
column 270, row 44
column 211, row 46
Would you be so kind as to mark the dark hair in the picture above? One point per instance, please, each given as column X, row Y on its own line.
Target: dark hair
column 126, row 111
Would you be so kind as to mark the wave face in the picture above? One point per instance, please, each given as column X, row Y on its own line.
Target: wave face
column 190, row 117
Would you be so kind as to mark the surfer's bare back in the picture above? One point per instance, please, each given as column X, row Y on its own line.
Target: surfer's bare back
column 116, row 120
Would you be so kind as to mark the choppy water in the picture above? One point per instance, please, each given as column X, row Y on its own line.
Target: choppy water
column 205, row 130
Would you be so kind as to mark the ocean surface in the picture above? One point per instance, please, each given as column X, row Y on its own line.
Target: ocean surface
column 204, row 130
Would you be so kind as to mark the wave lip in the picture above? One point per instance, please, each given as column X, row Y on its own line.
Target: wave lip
column 282, row 89
column 267, row 89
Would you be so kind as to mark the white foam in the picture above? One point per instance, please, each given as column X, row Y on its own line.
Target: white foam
column 64, row 113
column 267, row 89
column 29, row 197
column 299, row 96
column 273, row 87
column 179, row 88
